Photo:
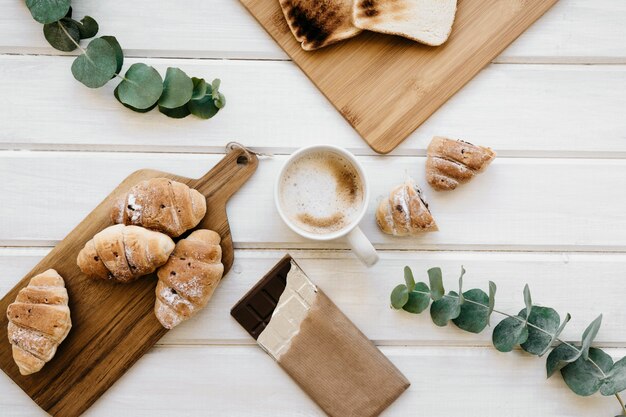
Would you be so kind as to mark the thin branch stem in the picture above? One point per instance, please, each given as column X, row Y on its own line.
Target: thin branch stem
column 619, row 399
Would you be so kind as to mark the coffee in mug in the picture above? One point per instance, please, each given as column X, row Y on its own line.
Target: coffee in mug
column 321, row 192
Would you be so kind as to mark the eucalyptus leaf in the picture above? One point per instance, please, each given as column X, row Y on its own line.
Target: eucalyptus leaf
column 199, row 88
column 117, row 96
column 177, row 113
column 509, row 333
column 203, row 108
column 436, row 283
column 177, row 89
column 141, row 87
column 461, row 300
column 616, row 378
column 473, row 318
column 220, row 101
column 88, row 27
column 492, row 300
column 545, row 318
column 58, row 38
column 119, row 54
column 97, row 65
column 48, row 11
column 408, row 278
column 399, row 296
column 445, row 309
column 560, row 357
column 590, row 334
column 582, row 376
column 556, row 334
column 527, row 300
column 418, row 301
column 215, row 85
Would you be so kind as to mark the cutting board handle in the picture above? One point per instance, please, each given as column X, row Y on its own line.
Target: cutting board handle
column 228, row 175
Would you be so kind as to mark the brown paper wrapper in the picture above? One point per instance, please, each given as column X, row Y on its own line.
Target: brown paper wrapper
column 338, row 367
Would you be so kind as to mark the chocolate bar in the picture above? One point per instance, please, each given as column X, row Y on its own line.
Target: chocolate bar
column 254, row 311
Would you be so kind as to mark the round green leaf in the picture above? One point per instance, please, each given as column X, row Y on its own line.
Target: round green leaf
column 119, row 54
column 97, row 65
column 141, row 87
column 199, row 88
column 445, row 309
column 204, row 108
column 408, row 278
column 509, row 333
column 436, row 283
column 220, row 101
column 117, row 96
column 177, row 113
column 559, row 357
column 88, row 27
column 399, row 296
column 582, row 377
column 48, row 11
column 418, row 301
column 58, row 39
column 474, row 318
column 545, row 318
column 616, row 378
column 177, row 89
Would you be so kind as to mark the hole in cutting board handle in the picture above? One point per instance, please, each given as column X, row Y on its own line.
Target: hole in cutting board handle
column 242, row 160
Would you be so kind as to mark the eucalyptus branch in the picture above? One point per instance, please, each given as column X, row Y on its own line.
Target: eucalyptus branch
column 535, row 329
column 141, row 88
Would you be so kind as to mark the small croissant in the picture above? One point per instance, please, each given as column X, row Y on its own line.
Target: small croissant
column 124, row 253
column 453, row 162
column 39, row 320
column 160, row 204
column 404, row 212
column 188, row 279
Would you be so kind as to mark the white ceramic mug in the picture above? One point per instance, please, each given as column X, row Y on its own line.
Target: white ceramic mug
column 359, row 243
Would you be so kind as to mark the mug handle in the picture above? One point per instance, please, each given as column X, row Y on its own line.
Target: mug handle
column 362, row 247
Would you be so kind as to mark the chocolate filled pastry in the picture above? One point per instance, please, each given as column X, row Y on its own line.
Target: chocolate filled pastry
column 39, row 320
column 453, row 162
column 160, row 204
column 124, row 253
column 404, row 212
column 188, row 279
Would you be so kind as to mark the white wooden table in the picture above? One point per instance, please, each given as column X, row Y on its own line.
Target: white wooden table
column 548, row 212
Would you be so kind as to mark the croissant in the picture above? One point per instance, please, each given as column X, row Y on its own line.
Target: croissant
column 405, row 212
column 124, row 253
column 160, row 204
column 39, row 320
column 453, row 162
column 188, row 279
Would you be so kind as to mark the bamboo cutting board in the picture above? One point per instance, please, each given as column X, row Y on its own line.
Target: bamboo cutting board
column 113, row 325
column 386, row 86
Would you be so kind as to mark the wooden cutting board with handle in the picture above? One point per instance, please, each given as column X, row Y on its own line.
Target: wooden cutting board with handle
column 386, row 86
column 113, row 325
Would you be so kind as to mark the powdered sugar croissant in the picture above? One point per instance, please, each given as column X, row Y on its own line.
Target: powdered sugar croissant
column 188, row 279
column 124, row 253
column 39, row 320
column 161, row 204
column 405, row 212
column 453, row 162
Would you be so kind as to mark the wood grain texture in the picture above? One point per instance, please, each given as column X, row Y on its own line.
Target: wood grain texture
column 386, row 86
column 113, row 325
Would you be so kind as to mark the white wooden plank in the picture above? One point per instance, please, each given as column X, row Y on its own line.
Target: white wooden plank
column 244, row 381
column 565, row 282
column 518, row 203
column 519, row 110
column 573, row 31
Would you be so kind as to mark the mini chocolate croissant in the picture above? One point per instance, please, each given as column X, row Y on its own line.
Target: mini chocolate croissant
column 39, row 320
column 453, row 162
column 188, row 279
column 160, row 204
column 124, row 253
column 405, row 212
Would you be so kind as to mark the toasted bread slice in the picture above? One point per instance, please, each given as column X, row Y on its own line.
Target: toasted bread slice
column 318, row 23
column 425, row 21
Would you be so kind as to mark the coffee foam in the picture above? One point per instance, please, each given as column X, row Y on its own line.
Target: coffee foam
column 321, row 192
